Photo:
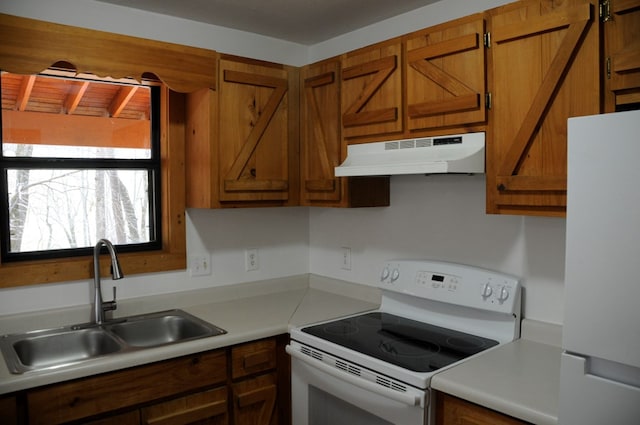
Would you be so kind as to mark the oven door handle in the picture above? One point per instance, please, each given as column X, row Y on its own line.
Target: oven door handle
column 408, row 399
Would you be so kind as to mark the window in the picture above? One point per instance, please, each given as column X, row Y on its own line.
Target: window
column 80, row 161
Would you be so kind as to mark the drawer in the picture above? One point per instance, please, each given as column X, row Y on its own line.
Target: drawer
column 253, row 357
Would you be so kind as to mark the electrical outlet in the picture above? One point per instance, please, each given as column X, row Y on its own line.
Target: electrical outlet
column 200, row 265
column 346, row 258
column 251, row 259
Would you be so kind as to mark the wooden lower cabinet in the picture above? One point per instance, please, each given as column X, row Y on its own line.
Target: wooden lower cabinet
column 454, row 411
column 243, row 384
column 255, row 388
column 8, row 410
column 254, row 401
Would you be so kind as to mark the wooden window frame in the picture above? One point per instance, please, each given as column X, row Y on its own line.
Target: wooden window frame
column 26, row 47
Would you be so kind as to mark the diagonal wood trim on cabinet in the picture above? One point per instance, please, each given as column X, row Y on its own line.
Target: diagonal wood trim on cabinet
column 382, row 68
column 465, row 98
column 232, row 179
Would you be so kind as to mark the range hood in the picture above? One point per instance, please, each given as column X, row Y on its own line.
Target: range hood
column 458, row 153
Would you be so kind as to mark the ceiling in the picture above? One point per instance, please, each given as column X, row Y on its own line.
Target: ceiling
column 300, row 21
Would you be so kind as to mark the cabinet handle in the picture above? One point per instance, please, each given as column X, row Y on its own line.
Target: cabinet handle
column 256, row 359
column 198, row 413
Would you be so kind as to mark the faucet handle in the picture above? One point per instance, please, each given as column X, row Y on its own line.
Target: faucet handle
column 110, row 305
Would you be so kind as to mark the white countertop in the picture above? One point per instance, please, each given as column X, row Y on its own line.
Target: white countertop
column 247, row 312
column 520, row 379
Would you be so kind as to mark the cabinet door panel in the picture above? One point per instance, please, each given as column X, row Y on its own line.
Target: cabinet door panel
column 372, row 91
column 253, row 132
column 255, row 401
column 622, row 45
column 446, row 75
column 205, row 408
column 103, row 393
column 321, row 145
column 544, row 70
column 454, row 411
column 253, row 357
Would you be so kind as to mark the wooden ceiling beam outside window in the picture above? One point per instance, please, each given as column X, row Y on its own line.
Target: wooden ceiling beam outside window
column 73, row 99
column 25, row 92
column 121, row 99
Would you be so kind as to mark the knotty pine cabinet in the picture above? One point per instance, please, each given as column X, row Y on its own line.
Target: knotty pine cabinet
column 371, row 91
column 621, row 25
column 446, row 81
column 242, row 139
column 195, row 389
column 454, row 411
column 544, row 68
column 115, row 391
column 322, row 147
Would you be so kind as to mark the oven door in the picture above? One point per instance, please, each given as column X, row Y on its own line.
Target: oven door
column 325, row 395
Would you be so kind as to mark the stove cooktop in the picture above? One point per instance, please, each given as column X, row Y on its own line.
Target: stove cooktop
column 407, row 343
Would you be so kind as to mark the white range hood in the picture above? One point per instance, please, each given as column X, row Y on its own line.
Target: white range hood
column 458, row 153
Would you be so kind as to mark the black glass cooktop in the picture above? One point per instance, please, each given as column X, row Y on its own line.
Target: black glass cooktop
column 410, row 344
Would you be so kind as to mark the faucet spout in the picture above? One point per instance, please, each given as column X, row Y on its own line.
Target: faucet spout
column 99, row 307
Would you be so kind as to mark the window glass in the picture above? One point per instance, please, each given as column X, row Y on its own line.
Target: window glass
column 80, row 162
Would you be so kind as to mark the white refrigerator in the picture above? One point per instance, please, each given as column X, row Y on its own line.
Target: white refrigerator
column 600, row 368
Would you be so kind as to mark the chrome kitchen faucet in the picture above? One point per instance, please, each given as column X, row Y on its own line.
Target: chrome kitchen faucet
column 99, row 306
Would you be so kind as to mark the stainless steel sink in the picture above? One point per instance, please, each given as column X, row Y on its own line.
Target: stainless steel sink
column 162, row 328
column 55, row 348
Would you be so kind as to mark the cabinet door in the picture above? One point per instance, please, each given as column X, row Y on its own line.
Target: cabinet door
column 372, row 90
column 454, row 411
column 446, row 75
column 544, row 70
column 256, row 149
column 255, row 401
column 622, row 50
column 204, row 408
column 321, row 145
column 104, row 393
column 8, row 410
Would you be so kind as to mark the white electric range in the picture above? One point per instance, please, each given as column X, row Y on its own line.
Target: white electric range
column 376, row 367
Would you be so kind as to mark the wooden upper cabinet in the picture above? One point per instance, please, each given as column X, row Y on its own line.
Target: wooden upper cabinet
column 446, row 75
column 544, row 69
column 255, row 149
column 242, row 139
column 622, row 54
column 321, row 147
column 372, row 91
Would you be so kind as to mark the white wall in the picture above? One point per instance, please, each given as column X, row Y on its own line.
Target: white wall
column 439, row 217
column 442, row 217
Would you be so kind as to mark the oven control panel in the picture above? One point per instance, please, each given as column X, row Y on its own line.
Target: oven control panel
column 453, row 283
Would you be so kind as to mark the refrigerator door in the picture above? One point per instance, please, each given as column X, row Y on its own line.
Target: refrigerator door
column 600, row 369
column 587, row 399
column 602, row 272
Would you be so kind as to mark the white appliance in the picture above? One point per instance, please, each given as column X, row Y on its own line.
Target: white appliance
column 600, row 368
column 376, row 367
column 457, row 153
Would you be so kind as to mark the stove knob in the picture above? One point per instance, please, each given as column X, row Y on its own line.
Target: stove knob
column 487, row 290
column 504, row 294
column 385, row 274
column 395, row 274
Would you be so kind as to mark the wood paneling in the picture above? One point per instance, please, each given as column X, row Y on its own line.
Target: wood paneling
column 29, row 46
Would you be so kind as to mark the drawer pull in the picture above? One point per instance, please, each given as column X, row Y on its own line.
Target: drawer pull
column 258, row 358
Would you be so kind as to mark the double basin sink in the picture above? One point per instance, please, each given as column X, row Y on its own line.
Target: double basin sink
column 65, row 346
